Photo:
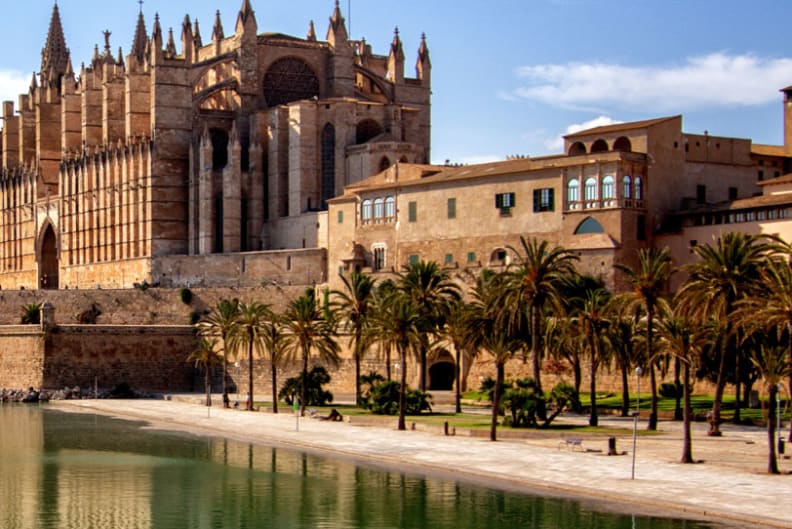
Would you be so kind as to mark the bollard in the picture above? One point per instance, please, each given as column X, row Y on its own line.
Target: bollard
column 612, row 446
column 780, row 446
column 445, row 428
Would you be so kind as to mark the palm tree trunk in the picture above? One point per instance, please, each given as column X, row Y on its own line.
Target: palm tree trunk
column 653, row 388
column 499, row 370
column 225, row 374
column 536, row 324
column 423, row 365
column 388, row 362
column 772, row 460
column 274, row 387
column 625, row 411
column 789, row 333
column 402, row 387
column 578, row 375
column 304, row 385
column 593, row 417
column 678, row 413
column 715, row 417
column 357, row 379
column 687, row 443
column 250, row 373
column 458, row 377
column 208, row 383
column 737, row 400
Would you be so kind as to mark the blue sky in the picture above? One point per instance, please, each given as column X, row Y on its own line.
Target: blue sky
column 509, row 76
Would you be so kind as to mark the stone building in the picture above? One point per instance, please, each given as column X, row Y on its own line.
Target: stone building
column 203, row 151
column 615, row 189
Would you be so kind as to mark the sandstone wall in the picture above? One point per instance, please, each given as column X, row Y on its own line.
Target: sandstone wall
column 21, row 356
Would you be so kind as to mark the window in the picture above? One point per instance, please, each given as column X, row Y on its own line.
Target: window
column 449, row 258
column 638, row 188
column 544, row 199
column 693, row 244
column 590, row 191
column 365, row 211
column 451, row 208
column 641, row 227
column 471, row 257
column 340, row 216
column 732, row 193
column 701, row 194
column 390, row 209
column 413, row 259
column 760, row 175
column 608, row 189
column 379, row 209
column 412, row 212
column 504, row 202
column 627, row 184
column 379, row 258
column 573, row 192
column 589, row 226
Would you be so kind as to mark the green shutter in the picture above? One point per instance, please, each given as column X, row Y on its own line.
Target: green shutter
column 413, row 259
column 413, row 212
column 452, row 208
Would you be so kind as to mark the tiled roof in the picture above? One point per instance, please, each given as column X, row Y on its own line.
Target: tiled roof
column 618, row 127
column 768, row 150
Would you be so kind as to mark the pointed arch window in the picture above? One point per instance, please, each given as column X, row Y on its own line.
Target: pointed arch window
column 638, row 188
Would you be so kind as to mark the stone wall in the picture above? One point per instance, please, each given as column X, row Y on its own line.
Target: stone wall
column 21, row 356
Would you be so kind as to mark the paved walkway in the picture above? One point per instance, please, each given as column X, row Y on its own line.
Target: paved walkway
column 730, row 485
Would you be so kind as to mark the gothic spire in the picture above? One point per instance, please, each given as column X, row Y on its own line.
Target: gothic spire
column 337, row 32
column 311, row 32
column 55, row 55
column 217, row 32
column 140, row 39
column 246, row 11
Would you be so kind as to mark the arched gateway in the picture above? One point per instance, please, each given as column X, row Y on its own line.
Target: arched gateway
column 48, row 259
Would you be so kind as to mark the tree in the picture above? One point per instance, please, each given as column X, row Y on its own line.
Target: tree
column 649, row 279
column 457, row 332
column 432, row 292
column 770, row 306
column 725, row 273
column 396, row 322
column 247, row 333
column 773, row 366
column 683, row 339
column 354, row 303
column 205, row 356
column 490, row 335
column 592, row 320
column 312, row 329
column 621, row 336
column 273, row 339
column 219, row 322
column 531, row 284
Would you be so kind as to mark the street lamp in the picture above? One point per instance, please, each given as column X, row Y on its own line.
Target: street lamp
column 638, row 373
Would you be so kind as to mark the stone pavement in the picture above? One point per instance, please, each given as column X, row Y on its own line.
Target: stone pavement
column 730, row 485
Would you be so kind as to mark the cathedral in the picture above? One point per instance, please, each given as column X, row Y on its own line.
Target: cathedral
column 199, row 161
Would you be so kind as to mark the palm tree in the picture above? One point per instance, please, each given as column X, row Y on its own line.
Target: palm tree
column 725, row 273
column 593, row 321
column 771, row 305
column 457, row 332
column 432, row 290
column 397, row 322
column 648, row 281
column 354, row 303
column 247, row 332
column 621, row 336
column 683, row 339
column 205, row 356
column 311, row 329
column 532, row 284
column 773, row 366
column 490, row 335
column 274, row 340
column 219, row 322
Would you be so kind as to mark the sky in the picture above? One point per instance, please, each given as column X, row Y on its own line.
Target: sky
column 509, row 77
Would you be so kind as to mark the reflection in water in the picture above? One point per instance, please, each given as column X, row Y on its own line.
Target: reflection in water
column 67, row 471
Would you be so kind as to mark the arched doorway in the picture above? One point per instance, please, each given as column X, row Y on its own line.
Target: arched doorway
column 442, row 373
column 48, row 261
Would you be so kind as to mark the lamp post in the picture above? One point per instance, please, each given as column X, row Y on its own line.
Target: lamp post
column 778, row 419
column 638, row 373
column 236, row 365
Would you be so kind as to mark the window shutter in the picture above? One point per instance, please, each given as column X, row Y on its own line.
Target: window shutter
column 552, row 199
column 537, row 200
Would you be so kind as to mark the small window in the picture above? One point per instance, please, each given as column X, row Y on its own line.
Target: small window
column 590, row 189
column 544, row 199
column 413, row 259
column 379, row 258
column 638, row 188
column 451, row 208
column 379, row 209
column 471, row 257
column 573, row 192
column 390, row 209
column 693, row 244
column 641, row 228
column 732, row 193
column 760, row 175
column 504, row 202
column 340, row 216
column 365, row 211
column 449, row 258
column 412, row 212
column 627, row 184
column 608, row 188
column 701, row 194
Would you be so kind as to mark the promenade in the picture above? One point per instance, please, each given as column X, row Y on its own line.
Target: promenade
column 730, row 485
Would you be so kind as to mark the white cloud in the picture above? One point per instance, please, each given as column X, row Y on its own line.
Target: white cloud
column 708, row 81
column 12, row 84
column 477, row 159
column 556, row 144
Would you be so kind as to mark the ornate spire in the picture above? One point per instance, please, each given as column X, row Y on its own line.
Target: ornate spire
column 311, row 32
column 197, row 35
column 55, row 55
column 217, row 32
column 140, row 39
column 423, row 50
column 337, row 32
column 170, row 48
column 396, row 45
column 246, row 11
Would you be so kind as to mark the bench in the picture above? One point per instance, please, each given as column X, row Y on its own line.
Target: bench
column 571, row 443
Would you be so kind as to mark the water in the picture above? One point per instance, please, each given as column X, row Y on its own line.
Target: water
column 69, row 471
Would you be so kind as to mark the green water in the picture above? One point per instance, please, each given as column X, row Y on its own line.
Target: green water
column 68, row 471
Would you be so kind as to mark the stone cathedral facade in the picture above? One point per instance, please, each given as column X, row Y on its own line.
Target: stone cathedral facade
column 198, row 160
